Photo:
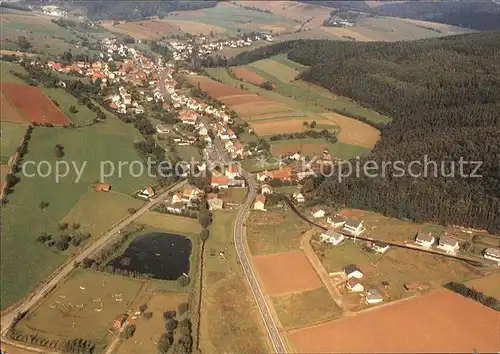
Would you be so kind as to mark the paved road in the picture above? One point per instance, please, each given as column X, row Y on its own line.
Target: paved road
column 110, row 236
column 270, row 324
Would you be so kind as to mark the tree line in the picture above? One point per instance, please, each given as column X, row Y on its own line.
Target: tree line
column 443, row 95
column 314, row 134
column 473, row 294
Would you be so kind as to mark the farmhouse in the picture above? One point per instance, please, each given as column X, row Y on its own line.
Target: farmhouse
column 147, row 193
column 448, row 244
column 101, row 187
column 266, row 189
column 215, row 203
column 260, row 202
column 332, row 237
column 354, row 285
column 380, row 247
column 373, row 297
column 354, row 227
column 120, row 320
column 424, row 240
column 299, row 197
column 337, row 221
column 284, row 174
column 352, row 271
column 492, row 254
column 219, row 181
column 317, row 212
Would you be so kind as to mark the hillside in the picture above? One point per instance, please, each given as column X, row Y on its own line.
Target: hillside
column 444, row 97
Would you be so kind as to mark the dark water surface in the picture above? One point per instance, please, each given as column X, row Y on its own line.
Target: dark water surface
column 160, row 255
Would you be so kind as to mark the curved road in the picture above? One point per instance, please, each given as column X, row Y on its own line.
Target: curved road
column 270, row 324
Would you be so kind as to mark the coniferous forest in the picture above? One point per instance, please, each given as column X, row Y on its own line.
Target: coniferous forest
column 443, row 95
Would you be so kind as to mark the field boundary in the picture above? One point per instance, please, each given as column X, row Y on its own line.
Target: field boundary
column 13, row 160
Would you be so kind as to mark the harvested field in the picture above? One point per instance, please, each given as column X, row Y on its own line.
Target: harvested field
column 15, row 52
column 251, row 110
column 354, row 131
column 280, row 71
column 33, row 104
column 236, row 100
column 305, row 308
column 304, row 147
column 439, row 322
column 348, row 32
column 287, row 272
column 216, row 89
column 9, row 112
column 440, row 27
column 143, row 29
column 489, row 285
column 192, row 27
column 248, row 76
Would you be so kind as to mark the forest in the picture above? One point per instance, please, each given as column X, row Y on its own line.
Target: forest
column 443, row 95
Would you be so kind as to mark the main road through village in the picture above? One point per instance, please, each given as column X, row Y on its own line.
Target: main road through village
column 241, row 250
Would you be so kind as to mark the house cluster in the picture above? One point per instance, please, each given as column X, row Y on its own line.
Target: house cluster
column 231, row 177
column 182, row 200
column 122, row 102
column 353, row 275
column 283, row 174
column 261, row 198
column 427, row 240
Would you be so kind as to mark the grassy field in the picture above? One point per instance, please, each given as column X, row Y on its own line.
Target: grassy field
column 229, row 319
column 278, row 231
column 59, row 315
column 65, row 101
column 11, row 137
column 234, row 195
column 255, row 165
column 171, row 223
column 186, row 153
column 112, row 207
column 305, row 308
column 281, row 71
column 312, row 147
column 6, row 75
column 23, row 221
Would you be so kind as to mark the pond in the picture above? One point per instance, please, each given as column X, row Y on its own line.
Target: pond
column 159, row 255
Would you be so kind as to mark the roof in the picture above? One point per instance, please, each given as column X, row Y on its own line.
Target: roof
column 335, row 235
column 493, row 251
column 233, row 169
column 150, row 190
column 352, row 223
column 353, row 282
column 425, row 237
column 316, row 208
column 102, row 187
column 281, row 173
column 212, row 196
column 338, row 218
column 121, row 317
column 373, row 294
column 446, row 240
column 219, row 180
column 350, row 268
column 260, row 198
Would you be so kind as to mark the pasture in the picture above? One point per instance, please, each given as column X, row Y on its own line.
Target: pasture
column 282, row 72
column 10, row 139
column 112, row 208
column 22, row 214
column 33, row 104
column 287, row 272
column 305, row 308
column 83, row 306
column 227, row 304
column 233, row 195
column 440, row 322
column 188, row 153
column 65, row 101
column 171, row 223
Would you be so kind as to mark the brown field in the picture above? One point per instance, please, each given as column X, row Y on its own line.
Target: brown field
column 216, row 89
column 437, row 322
column 4, row 170
column 247, row 75
column 19, row 54
column 294, row 146
column 287, row 272
column 143, row 29
column 489, row 285
column 236, row 100
column 9, row 112
column 27, row 18
column 34, row 105
column 347, row 32
column 249, row 111
column 354, row 131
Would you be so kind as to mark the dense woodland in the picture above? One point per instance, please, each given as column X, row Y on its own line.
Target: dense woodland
column 480, row 15
column 444, row 97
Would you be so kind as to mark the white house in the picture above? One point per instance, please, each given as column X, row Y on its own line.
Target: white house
column 336, row 221
column 354, row 285
column 425, row 240
column 373, row 297
column 177, row 198
column 448, row 244
column 492, row 254
column 266, row 189
column 175, row 208
column 332, row 237
column 203, row 131
column 354, row 228
column 299, row 197
column 147, row 193
column 317, row 212
column 352, row 271
column 295, row 156
column 379, row 247
column 260, row 203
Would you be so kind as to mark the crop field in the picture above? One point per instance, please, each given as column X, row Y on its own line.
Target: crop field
column 287, row 272
column 148, row 332
column 113, row 207
column 216, row 89
column 227, row 304
column 305, row 308
column 247, row 75
column 348, row 33
column 440, row 322
column 23, row 220
column 488, row 285
column 9, row 112
column 279, row 231
column 33, row 104
column 83, row 306
column 354, row 131
column 235, row 100
column 282, row 72
column 439, row 27
column 10, row 139
column 144, row 29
